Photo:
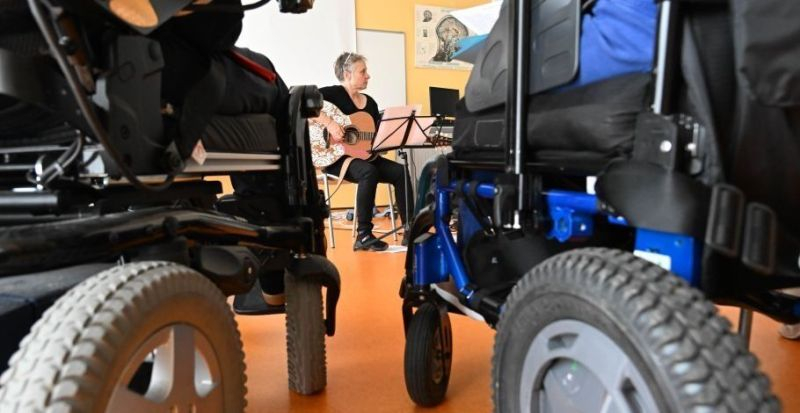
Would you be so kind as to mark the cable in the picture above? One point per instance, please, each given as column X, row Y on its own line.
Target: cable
column 225, row 8
column 85, row 106
column 57, row 167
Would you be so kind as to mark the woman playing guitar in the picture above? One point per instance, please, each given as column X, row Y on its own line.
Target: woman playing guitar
column 359, row 165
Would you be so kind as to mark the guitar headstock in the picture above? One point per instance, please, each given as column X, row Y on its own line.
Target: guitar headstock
column 440, row 140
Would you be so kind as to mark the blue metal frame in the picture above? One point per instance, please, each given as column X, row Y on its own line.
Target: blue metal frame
column 572, row 213
column 683, row 252
column 438, row 257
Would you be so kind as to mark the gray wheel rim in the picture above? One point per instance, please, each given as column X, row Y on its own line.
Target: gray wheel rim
column 572, row 366
column 185, row 374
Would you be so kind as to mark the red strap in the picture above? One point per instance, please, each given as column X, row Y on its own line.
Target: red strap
column 252, row 66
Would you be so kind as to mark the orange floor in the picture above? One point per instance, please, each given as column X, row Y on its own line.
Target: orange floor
column 365, row 357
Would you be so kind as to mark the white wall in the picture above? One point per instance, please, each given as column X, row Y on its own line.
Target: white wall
column 303, row 47
column 386, row 65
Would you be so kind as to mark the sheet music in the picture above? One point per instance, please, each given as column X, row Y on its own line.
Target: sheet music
column 393, row 126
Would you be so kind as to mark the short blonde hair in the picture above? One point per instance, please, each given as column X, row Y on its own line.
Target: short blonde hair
column 345, row 62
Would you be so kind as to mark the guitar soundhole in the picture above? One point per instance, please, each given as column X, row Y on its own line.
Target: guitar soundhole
column 351, row 136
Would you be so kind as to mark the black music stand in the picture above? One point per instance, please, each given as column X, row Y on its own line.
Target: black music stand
column 400, row 129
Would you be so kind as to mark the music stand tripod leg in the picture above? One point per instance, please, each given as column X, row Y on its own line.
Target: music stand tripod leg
column 406, row 178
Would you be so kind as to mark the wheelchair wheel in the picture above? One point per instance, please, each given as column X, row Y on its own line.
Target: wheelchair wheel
column 140, row 337
column 596, row 327
column 428, row 355
column 305, row 335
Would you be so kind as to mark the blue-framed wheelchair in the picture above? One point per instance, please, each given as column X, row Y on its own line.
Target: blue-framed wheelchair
column 598, row 223
column 116, row 256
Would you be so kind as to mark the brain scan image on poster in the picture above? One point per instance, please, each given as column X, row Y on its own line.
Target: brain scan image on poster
column 437, row 34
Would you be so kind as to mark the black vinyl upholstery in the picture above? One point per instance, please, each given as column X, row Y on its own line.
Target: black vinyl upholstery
column 250, row 133
column 595, row 121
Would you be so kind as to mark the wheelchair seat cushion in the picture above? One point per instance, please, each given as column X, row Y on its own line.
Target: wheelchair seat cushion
column 596, row 120
column 249, row 133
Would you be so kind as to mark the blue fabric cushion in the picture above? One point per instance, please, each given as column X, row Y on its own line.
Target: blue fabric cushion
column 617, row 37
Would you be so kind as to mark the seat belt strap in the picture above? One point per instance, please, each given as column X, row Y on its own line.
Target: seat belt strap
column 342, row 171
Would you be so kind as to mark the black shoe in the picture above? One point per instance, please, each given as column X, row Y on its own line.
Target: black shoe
column 368, row 242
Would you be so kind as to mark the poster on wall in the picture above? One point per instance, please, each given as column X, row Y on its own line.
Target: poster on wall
column 437, row 34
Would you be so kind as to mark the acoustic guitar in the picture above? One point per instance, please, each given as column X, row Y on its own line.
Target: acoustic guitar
column 359, row 130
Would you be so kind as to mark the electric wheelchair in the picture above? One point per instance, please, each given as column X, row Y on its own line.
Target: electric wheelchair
column 111, row 237
column 598, row 223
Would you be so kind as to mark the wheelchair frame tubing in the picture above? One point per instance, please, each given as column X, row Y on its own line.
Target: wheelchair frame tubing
column 572, row 215
column 438, row 256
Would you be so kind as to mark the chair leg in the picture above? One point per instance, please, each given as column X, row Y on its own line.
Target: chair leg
column 391, row 211
column 327, row 189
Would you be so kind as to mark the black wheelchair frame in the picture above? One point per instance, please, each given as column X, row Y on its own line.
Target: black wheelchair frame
column 104, row 185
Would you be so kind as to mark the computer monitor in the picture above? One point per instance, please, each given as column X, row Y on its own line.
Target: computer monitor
column 443, row 101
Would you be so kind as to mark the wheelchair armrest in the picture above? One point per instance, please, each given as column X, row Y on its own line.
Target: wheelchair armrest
column 304, row 102
column 310, row 100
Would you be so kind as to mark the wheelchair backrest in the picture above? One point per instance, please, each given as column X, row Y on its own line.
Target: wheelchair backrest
column 555, row 31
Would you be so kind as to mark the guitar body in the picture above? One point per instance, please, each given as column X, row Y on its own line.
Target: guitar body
column 359, row 130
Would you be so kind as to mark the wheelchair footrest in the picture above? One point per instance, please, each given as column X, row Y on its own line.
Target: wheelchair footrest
column 245, row 308
column 252, row 303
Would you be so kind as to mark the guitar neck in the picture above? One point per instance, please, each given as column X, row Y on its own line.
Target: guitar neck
column 364, row 136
